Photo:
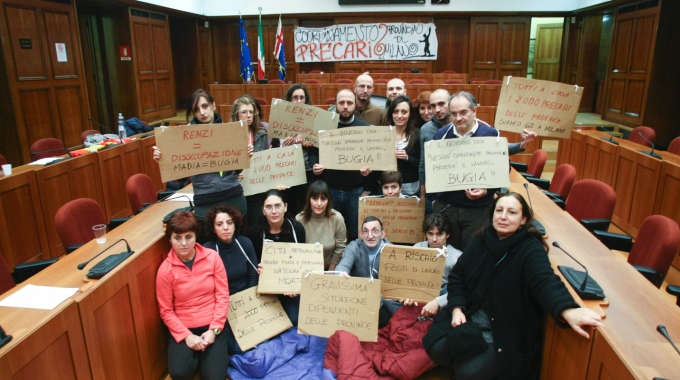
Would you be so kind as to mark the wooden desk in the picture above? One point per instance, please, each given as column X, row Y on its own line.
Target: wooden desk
column 110, row 328
column 628, row 346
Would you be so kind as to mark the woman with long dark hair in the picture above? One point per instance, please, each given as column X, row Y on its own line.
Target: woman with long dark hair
column 401, row 115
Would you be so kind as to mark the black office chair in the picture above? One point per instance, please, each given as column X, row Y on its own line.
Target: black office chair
column 674, row 290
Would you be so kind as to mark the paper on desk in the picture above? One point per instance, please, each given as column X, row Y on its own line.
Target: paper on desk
column 38, row 297
column 45, row 161
column 181, row 197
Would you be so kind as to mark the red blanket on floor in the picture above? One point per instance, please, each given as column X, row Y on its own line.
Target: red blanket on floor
column 398, row 353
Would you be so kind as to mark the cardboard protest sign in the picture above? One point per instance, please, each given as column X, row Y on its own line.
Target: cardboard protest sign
column 366, row 42
column 469, row 163
column 284, row 264
column 402, row 218
column 547, row 108
column 255, row 317
column 272, row 168
column 411, row 272
column 292, row 119
column 188, row 150
column 329, row 303
column 352, row 148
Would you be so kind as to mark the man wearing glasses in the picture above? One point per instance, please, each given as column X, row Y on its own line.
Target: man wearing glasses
column 363, row 89
column 361, row 258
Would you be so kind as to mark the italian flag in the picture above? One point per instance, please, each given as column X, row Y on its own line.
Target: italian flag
column 260, row 51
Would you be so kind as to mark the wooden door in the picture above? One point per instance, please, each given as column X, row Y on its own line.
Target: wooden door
column 499, row 46
column 153, row 65
column 547, row 54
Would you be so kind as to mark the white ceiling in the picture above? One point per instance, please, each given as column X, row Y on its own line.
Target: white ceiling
column 269, row 7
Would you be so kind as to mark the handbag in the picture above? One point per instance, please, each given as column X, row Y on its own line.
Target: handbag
column 465, row 341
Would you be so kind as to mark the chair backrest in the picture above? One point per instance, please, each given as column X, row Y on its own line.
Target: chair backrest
column 493, row 81
column 417, row 81
column 344, row 80
column 262, row 101
column 537, row 163
column 316, row 72
column 449, row 72
column 276, row 81
column 3, row 160
column 380, row 81
column 453, row 81
column 74, row 221
column 330, row 101
column 84, row 135
column 312, row 81
column 47, row 147
column 6, row 280
column 649, row 134
column 562, row 180
column 656, row 244
column 591, row 199
column 140, row 190
column 674, row 147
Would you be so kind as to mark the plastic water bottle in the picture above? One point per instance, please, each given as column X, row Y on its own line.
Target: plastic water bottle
column 121, row 126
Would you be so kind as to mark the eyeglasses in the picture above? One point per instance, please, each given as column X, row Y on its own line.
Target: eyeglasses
column 373, row 232
column 247, row 112
column 277, row 207
column 299, row 97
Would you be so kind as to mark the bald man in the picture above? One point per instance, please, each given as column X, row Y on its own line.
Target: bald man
column 363, row 89
column 395, row 87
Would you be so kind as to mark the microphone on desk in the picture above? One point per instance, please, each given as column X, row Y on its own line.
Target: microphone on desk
column 105, row 128
column 537, row 224
column 174, row 196
column 610, row 139
column 662, row 330
column 109, row 263
column 651, row 153
column 68, row 152
column 585, row 286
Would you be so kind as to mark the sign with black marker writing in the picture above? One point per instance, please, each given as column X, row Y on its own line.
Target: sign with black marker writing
column 402, row 218
column 272, row 168
column 288, row 119
column 329, row 303
column 468, row 163
column 547, row 108
column 284, row 264
column 411, row 272
column 352, row 148
column 254, row 317
column 188, row 150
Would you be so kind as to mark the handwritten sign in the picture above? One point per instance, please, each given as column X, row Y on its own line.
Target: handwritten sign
column 284, row 264
column 292, row 119
column 469, row 163
column 352, row 148
column 411, row 272
column 254, row 318
column 201, row 148
column 329, row 303
column 364, row 42
column 547, row 108
column 274, row 167
column 402, row 218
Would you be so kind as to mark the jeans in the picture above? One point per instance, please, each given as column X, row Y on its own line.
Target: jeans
column 347, row 204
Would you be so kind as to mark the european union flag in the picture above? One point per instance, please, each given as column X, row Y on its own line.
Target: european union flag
column 246, row 61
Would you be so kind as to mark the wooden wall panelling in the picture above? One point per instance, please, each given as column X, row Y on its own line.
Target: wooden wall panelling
column 581, row 61
column 499, row 46
column 227, row 60
column 329, row 90
column 565, row 354
column 645, row 183
column 226, row 93
column 321, row 77
column 453, row 36
column 314, row 93
column 153, row 68
column 188, row 50
column 489, row 94
column 63, row 182
column 577, row 154
column 622, row 182
column 20, row 204
column 205, row 54
column 667, row 201
column 439, row 78
column 605, row 160
column 564, row 151
column 117, row 164
column 55, row 350
column 39, row 80
column 266, row 91
column 151, row 167
column 487, row 113
column 605, row 364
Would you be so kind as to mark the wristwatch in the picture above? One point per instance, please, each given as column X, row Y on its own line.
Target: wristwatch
column 217, row 331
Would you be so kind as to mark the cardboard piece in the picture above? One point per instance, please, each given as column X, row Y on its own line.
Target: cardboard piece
column 329, row 303
column 201, row 148
column 284, row 264
column 272, row 168
column 292, row 119
column 547, row 108
column 255, row 317
column 469, row 163
column 402, row 218
column 411, row 272
column 352, row 148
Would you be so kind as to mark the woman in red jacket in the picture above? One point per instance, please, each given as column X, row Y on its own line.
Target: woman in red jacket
column 193, row 298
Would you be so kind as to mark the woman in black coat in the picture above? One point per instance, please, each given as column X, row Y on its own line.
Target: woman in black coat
column 498, row 294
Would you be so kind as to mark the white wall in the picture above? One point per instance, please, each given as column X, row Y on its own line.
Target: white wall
column 234, row 7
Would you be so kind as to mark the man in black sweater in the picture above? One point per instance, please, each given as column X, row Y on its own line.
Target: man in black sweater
column 347, row 186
